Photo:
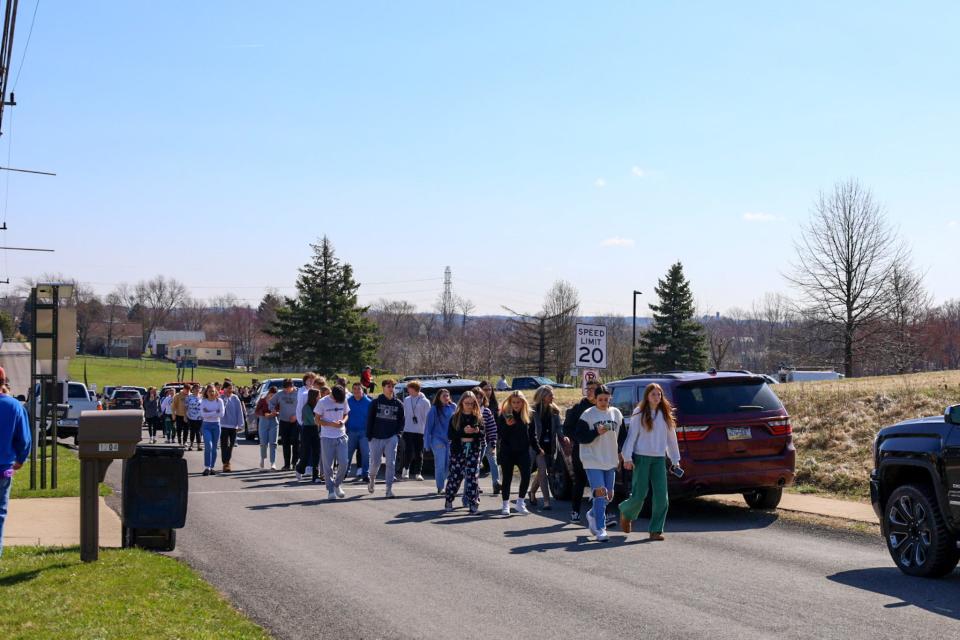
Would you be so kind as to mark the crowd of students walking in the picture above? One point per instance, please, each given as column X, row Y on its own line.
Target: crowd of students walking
column 321, row 430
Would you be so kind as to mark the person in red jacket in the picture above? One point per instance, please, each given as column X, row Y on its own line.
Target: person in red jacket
column 366, row 380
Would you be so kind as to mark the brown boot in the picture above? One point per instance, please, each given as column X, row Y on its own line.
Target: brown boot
column 226, row 467
column 657, row 537
column 626, row 525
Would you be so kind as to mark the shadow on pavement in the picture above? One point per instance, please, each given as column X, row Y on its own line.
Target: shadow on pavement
column 936, row 596
column 582, row 543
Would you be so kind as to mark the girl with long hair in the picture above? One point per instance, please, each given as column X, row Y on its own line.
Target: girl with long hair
column 596, row 432
column 515, row 435
column 651, row 439
column 435, row 436
column 466, row 433
column 211, row 411
column 546, row 430
column 488, row 416
column 151, row 413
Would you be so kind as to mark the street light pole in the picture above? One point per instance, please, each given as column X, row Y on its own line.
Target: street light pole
column 633, row 353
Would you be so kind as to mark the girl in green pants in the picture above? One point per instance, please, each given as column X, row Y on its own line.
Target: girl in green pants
column 651, row 439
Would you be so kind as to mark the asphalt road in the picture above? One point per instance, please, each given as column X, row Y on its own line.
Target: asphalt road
column 375, row 568
column 15, row 360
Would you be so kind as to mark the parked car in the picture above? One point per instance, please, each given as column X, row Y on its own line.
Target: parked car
column 141, row 390
column 250, row 429
column 77, row 401
column 430, row 386
column 796, row 375
column 533, row 382
column 429, row 376
column 124, row 398
column 107, row 390
column 915, row 491
column 734, row 434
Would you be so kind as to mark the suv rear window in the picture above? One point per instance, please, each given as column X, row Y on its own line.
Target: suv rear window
column 77, row 391
column 124, row 393
column 726, row 397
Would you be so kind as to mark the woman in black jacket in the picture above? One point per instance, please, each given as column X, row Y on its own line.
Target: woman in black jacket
column 546, row 430
column 466, row 433
column 514, row 438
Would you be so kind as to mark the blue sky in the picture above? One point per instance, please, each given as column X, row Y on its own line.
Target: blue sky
column 516, row 142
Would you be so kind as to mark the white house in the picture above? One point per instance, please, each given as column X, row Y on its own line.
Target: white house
column 161, row 339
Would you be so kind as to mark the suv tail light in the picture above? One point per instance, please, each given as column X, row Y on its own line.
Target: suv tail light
column 692, row 434
column 780, row 427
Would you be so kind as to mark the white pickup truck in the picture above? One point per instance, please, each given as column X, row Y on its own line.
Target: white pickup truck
column 78, row 400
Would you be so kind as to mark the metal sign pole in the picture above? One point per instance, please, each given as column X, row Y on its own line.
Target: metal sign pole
column 32, row 396
column 56, row 381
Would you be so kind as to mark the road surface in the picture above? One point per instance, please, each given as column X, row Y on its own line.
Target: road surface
column 15, row 360
column 376, row 568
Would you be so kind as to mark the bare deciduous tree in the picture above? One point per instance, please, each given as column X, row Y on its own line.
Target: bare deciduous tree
column 844, row 259
column 909, row 305
column 561, row 305
column 153, row 300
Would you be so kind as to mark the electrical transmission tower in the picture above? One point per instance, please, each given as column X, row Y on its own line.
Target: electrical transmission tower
column 447, row 302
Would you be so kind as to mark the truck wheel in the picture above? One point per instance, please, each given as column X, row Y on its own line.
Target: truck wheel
column 916, row 535
column 559, row 479
column 171, row 542
column 765, row 499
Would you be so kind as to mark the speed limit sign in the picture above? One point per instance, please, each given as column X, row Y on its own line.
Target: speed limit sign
column 591, row 346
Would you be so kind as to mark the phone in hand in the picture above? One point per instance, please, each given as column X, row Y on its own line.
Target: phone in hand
column 676, row 470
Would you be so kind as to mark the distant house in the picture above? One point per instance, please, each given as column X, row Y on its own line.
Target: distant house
column 161, row 339
column 206, row 353
column 116, row 339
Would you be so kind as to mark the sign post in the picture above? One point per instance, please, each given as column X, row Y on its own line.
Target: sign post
column 591, row 346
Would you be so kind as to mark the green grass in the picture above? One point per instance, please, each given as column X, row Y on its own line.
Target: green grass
column 152, row 373
column 128, row 593
column 68, row 477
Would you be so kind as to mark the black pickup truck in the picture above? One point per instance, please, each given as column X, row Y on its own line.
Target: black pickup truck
column 915, row 490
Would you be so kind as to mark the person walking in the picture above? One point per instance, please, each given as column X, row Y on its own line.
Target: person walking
column 15, row 441
column 211, row 411
column 309, row 464
column 652, row 439
column 332, row 413
column 357, row 443
column 284, row 404
column 152, row 414
column 546, row 428
column 488, row 416
column 502, row 384
column 194, row 417
column 166, row 410
column 310, row 381
column 466, row 434
column 515, row 436
column 435, row 436
column 415, row 410
column 267, row 429
column 233, row 419
column 596, row 432
column 384, row 425
column 179, row 409
column 572, row 448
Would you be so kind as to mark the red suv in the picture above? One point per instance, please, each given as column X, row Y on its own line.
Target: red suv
column 734, row 434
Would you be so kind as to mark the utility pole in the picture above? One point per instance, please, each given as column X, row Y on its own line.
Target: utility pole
column 633, row 352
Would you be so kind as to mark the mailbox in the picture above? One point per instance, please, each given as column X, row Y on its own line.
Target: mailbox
column 109, row 435
column 103, row 436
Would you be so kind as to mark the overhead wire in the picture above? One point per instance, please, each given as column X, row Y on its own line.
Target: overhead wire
column 26, row 47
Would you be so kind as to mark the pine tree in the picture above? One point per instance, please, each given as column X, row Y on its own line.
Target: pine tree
column 676, row 340
column 323, row 328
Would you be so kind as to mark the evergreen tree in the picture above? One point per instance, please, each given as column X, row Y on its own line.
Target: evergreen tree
column 676, row 340
column 323, row 328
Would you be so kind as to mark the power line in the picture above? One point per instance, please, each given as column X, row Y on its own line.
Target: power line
column 25, row 47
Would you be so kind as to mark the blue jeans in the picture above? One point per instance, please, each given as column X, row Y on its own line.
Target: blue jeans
column 211, row 436
column 441, row 458
column 330, row 449
column 600, row 478
column 491, row 455
column 358, row 440
column 5, row 485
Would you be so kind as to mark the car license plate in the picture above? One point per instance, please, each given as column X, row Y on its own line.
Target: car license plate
column 738, row 433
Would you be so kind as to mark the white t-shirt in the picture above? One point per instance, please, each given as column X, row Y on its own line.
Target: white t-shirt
column 330, row 410
column 601, row 452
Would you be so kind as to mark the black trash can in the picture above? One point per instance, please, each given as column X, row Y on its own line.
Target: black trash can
column 154, row 497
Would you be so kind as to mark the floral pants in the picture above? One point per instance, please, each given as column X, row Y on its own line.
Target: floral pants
column 465, row 466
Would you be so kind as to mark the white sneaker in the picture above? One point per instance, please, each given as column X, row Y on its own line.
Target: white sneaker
column 591, row 524
column 340, row 493
column 390, row 493
column 308, row 471
column 273, row 467
column 299, row 476
column 263, row 462
column 419, row 477
column 331, row 496
column 406, row 474
column 602, row 536
column 371, row 484
column 522, row 507
column 505, row 511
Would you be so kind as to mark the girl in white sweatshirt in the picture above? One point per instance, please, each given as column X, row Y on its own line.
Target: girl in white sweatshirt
column 652, row 438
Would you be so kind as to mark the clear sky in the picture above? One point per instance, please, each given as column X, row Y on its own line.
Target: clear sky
column 516, row 142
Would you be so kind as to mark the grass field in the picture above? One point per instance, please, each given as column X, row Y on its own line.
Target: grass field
column 148, row 372
column 128, row 593
column 68, row 477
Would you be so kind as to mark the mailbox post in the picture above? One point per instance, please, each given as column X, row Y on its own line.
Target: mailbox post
column 103, row 436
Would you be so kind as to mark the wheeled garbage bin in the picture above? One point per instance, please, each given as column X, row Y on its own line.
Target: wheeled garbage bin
column 154, row 497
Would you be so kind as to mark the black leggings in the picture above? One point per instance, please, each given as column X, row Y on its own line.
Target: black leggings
column 228, row 440
column 413, row 452
column 290, row 439
column 154, row 424
column 579, row 481
column 310, row 450
column 195, row 432
column 508, row 460
column 181, row 422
